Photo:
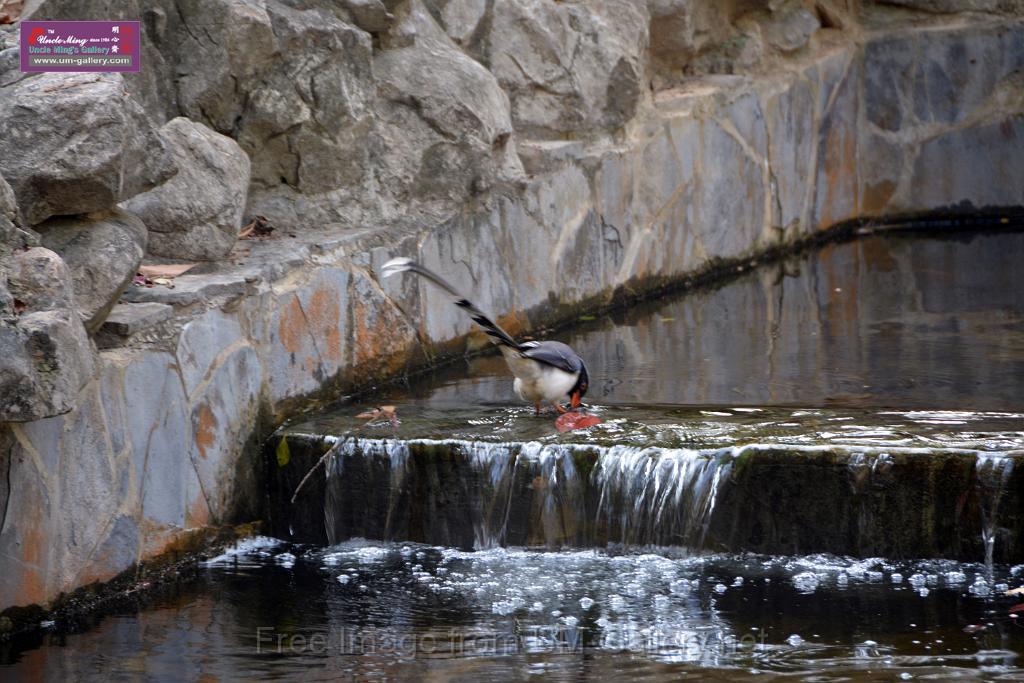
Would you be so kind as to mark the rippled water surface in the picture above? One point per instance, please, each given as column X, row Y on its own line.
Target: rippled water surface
column 879, row 353
column 375, row 610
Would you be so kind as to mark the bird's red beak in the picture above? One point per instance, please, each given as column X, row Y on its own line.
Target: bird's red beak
column 575, row 401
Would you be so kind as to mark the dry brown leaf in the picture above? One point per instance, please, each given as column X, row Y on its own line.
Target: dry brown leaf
column 10, row 10
column 168, row 270
column 1015, row 591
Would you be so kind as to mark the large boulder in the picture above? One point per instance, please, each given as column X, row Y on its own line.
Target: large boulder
column 197, row 213
column 444, row 128
column 103, row 251
column 45, row 354
column 568, row 67
column 75, row 143
column 299, row 104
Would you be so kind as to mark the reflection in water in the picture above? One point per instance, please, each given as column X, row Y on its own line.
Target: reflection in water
column 883, row 321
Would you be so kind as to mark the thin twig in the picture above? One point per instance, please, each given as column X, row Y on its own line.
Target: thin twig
column 386, row 413
column 331, row 451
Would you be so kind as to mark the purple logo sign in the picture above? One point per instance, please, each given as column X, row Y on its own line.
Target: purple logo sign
column 80, row 46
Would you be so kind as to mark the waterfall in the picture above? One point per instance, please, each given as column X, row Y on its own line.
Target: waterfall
column 482, row 495
column 993, row 472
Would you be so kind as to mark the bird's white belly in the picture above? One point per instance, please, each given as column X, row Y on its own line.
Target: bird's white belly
column 549, row 384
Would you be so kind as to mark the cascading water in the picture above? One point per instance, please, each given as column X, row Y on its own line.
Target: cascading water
column 534, row 494
column 993, row 472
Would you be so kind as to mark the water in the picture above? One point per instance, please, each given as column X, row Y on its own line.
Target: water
column 777, row 457
column 374, row 610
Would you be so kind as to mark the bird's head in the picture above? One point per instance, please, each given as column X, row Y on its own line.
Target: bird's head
column 579, row 390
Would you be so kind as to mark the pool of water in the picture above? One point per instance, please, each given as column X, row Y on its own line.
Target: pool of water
column 856, row 372
column 371, row 610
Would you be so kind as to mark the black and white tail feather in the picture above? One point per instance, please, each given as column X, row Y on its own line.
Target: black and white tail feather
column 544, row 371
column 497, row 335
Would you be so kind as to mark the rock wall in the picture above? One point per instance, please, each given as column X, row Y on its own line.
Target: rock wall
column 542, row 154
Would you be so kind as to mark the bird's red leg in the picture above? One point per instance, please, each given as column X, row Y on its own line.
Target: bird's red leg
column 536, row 407
column 559, row 408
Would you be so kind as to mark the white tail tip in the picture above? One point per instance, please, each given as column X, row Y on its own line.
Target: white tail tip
column 396, row 265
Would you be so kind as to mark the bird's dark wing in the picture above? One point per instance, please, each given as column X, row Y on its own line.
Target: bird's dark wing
column 554, row 353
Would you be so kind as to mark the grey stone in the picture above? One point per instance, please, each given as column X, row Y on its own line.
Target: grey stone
column 103, row 252
column 300, row 106
column 198, row 212
column 683, row 29
column 45, row 359
column 949, row 171
column 156, row 413
column 541, row 156
column 41, row 280
column 8, row 215
column 100, row 147
column 730, row 200
column 569, row 67
column 189, row 289
column 790, row 27
column 127, row 319
column 444, row 122
column 370, row 15
column 461, row 19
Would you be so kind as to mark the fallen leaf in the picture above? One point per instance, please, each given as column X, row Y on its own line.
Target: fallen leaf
column 1017, row 608
column 10, row 10
column 19, row 306
column 283, row 454
column 164, row 271
column 258, row 227
column 162, row 281
column 572, row 420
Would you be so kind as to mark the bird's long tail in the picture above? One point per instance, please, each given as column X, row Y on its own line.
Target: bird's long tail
column 497, row 335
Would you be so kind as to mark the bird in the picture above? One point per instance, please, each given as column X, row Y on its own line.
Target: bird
column 544, row 371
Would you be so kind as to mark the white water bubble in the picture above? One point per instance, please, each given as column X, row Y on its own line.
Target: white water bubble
column 721, row 588
column 955, row 577
column 896, row 577
column 570, row 621
column 917, row 580
column 795, row 640
column 806, row 582
column 343, row 578
column 737, row 582
column 586, row 603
